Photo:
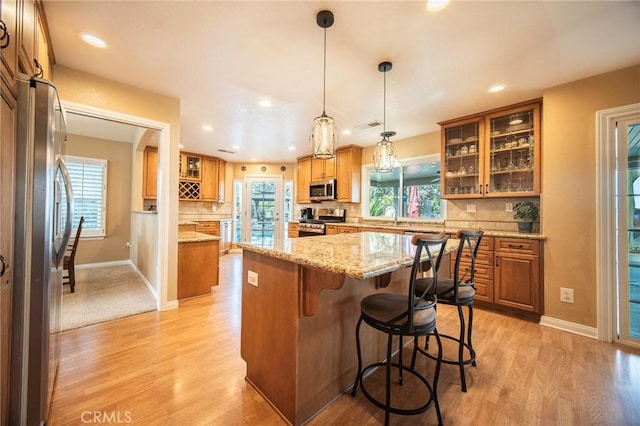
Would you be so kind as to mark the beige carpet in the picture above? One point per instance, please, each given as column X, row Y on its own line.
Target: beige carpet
column 104, row 294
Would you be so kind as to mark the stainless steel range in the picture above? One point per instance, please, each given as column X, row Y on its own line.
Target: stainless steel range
column 311, row 227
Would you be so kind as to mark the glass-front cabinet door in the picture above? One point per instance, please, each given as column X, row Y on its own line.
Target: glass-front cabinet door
column 495, row 154
column 512, row 163
column 462, row 164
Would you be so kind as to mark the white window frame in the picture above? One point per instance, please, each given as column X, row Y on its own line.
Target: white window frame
column 88, row 233
column 364, row 212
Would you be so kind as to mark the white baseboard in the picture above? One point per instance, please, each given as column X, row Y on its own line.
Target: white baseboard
column 172, row 304
column 571, row 327
column 102, row 264
column 150, row 286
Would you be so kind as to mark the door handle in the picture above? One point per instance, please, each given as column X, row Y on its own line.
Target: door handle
column 4, row 265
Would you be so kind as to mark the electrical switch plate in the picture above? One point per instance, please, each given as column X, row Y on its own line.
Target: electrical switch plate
column 252, row 278
column 508, row 207
column 471, row 208
column 566, row 295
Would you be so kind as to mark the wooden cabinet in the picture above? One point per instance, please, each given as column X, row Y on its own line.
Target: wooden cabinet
column 42, row 48
column 187, row 227
column 484, row 272
column 323, row 169
column 9, row 53
column 518, row 281
column 349, row 172
column 27, row 36
column 209, row 188
column 303, row 177
column 493, row 154
column 190, row 166
column 330, row 230
column 150, row 173
column 202, row 178
column 197, row 268
column 222, row 229
column 347, row 229
column 7, row 186
column 292, row 230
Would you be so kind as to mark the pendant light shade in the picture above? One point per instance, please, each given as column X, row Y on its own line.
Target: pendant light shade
column 323, row 132
column 384, row 157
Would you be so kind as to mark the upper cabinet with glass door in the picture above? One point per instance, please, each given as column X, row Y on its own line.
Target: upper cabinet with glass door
column 506, row 161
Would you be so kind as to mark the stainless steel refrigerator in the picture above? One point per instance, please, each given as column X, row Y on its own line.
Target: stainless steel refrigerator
column 43, row 206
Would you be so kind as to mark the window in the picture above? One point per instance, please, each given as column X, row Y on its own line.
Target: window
column 411, row 190
column 89, row 186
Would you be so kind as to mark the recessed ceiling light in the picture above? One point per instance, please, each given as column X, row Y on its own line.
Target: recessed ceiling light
column 292, row 148
column 264, row 103
column 253, row 159
column 236, row 147
column 346, row 132
column 496, row 88
column 207, row 128
column 94, row 41
column 180, row 146
column 436, row 5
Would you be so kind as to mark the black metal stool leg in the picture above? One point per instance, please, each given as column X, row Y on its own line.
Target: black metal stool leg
column 400, row 380
column 461, row 349
column 436, row 376
column 387, row 409
column 359, row 372
column 469, row 330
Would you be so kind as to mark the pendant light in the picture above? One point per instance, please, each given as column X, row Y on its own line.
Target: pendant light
column 384, row 156
column 323, row 132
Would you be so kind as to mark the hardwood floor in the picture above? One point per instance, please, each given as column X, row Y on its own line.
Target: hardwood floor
column 183, row 367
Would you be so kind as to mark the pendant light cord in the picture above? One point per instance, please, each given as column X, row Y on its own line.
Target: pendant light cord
column 384, row 104
column 324, row 75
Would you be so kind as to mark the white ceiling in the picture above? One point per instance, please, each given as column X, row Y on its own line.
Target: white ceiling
column 221, row 57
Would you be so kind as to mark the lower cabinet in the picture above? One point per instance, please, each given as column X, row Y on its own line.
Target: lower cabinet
column 197, row 268
column 347, row 229
column 518, row 281
column 292, row 230
column 222, row 229
column 508, row 273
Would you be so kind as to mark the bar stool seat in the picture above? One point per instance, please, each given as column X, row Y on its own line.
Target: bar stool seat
column 404, row 315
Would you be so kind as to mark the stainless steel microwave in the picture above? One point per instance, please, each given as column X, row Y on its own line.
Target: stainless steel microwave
column 323, row 190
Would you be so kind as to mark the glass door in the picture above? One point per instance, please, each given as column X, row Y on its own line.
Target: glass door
column 628, row 286
column 263, row 209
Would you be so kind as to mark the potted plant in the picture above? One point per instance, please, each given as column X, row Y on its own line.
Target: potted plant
column 525, row 213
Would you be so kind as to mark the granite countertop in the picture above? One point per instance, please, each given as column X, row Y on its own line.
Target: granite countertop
column 358, row 255
column 195, row 221
column 433, row 227
column 195, row 237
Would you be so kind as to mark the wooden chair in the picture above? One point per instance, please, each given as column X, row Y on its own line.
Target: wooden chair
column 68, row 263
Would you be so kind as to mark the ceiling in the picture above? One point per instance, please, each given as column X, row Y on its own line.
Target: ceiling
column 220, row 58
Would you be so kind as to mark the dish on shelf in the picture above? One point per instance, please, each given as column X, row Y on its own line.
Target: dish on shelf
column 470, row 138
column 495, row 133
column 518, row 127
column 456, row 140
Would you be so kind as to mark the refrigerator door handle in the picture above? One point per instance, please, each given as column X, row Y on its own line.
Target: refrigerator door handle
column 69, row 217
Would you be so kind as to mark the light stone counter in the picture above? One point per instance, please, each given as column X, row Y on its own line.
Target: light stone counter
column 195, row 237
column 359, row 255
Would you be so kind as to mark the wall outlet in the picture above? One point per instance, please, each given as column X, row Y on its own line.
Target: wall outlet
column 566, row 295
column 252, row 278
column 471, row 208
column 508, row 207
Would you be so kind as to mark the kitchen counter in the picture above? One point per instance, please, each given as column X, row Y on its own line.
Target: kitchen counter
column 360, row 255
column 431, row 227
column 195, row 237
column 301, row 300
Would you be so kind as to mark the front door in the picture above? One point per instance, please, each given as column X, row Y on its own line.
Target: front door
column 263, row 212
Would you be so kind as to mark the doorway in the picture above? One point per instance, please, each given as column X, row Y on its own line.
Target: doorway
column 263, row 210
column 618, row 233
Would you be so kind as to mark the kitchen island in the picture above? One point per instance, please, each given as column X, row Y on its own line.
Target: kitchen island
column 300, row 304
column 198, row 260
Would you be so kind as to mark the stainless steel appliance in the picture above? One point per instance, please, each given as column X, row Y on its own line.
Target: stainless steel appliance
column 306, row 213
column 311, row 227
column 43, row 221
column 323, row 190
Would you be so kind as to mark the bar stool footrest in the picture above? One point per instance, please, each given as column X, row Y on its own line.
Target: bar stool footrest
column 471, row 360
column 395, row 410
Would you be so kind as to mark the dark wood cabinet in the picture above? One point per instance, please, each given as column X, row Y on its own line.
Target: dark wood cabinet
column 518, row 281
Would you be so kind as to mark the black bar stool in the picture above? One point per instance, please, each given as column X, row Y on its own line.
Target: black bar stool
column 401, row 315
column 458, row 292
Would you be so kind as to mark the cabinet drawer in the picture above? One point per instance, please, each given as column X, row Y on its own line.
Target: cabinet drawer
column 484, row 290
column 484, row 272
column 484, row 257
column 211, row 228
column 517, row 245
column 187, row 228
column 346, row 230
